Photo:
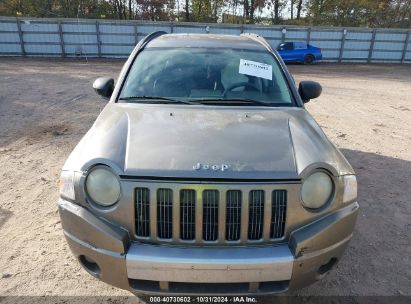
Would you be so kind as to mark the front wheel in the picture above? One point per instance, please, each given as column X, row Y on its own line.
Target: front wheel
column 309, row 59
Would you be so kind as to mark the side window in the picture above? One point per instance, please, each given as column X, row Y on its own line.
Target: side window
column 300, row 45
column 288, row 46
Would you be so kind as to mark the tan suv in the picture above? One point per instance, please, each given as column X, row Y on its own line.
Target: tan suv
column 204, row 174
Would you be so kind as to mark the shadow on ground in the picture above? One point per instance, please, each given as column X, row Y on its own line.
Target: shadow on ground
column 4, row 216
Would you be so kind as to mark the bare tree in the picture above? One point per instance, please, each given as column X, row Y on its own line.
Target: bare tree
column 276, row 10
column 371, row 13
column 299, row 8
column 187, row 10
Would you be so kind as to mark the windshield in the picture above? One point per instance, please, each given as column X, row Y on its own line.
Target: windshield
column 206, row 75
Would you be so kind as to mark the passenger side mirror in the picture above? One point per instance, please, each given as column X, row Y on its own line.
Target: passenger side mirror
column 309, row 90
column 104, row 86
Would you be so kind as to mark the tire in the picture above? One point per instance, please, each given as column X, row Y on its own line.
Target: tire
column 309, row 59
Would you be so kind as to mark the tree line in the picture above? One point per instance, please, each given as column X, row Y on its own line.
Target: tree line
column 368, row 13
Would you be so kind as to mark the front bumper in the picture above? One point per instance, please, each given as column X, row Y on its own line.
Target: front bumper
column 107, row 253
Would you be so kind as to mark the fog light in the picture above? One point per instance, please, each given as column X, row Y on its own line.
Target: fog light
column 90, row 265
column 324, row 269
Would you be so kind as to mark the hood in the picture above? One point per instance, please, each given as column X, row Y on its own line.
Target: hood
column 181, row 141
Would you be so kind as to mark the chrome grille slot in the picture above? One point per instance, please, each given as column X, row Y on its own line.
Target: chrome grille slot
column 210, row 215
column 142, row 212
column 256, row 215
column 187, row 214
column 278, row 217
column 165, row 213
column 233, row 215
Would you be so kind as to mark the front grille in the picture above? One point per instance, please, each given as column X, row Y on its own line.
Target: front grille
column 210, row 215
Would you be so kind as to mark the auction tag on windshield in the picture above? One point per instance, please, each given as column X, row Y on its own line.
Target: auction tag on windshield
column 258, row 69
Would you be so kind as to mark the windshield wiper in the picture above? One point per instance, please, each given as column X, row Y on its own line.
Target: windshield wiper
column 215, row 101
column 159, row 98
column 224, row 101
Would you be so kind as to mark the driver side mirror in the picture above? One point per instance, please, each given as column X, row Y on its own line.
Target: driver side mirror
column 104, row 87
column 309, row 90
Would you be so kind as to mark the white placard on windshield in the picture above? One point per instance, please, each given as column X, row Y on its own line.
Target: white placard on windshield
column 258, row 69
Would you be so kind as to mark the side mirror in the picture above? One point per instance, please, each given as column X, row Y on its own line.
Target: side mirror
column 104, row 86
column 309, row 90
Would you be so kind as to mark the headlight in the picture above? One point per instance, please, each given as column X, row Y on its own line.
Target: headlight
column 316, row 190
column 350, row 188
column 67, row 185
column 103, row 186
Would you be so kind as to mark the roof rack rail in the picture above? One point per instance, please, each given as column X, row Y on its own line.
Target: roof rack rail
column 150, row 37
column 259, row 39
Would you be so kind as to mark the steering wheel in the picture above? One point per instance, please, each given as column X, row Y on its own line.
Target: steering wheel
column 240, row 84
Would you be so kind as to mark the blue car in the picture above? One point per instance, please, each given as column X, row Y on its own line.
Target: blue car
column 299, row 52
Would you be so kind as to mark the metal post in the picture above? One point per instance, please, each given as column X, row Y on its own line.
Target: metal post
column 135, row 34
column 342, row 45
column 23, row 50
column 98, row 38
column 371, row 46
column 308, row 35
column 171, row 27
column 283, row 31
column 404, row 51
column 63, row 52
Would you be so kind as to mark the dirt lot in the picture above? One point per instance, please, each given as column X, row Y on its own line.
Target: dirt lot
column 46, row 106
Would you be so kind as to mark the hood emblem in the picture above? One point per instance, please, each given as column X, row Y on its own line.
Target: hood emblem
column 200, row 166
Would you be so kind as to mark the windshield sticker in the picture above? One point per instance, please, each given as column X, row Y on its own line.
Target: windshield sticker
column 258, row 69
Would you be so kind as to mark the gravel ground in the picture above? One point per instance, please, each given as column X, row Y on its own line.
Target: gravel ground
column 47, row 105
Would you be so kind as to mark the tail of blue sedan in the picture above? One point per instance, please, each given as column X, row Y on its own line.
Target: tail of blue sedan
column 299, row 52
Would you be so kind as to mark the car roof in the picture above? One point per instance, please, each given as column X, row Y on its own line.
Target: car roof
column 296, row 41
column 206, row 41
